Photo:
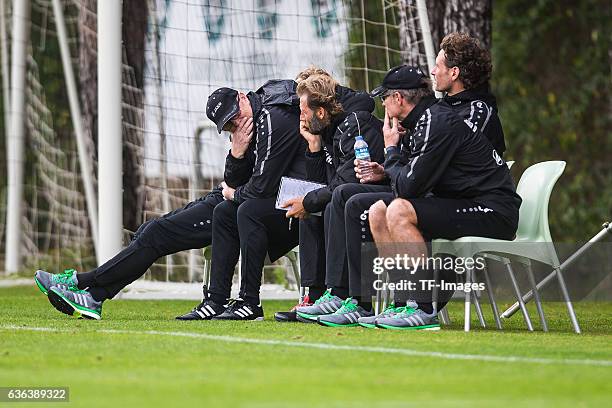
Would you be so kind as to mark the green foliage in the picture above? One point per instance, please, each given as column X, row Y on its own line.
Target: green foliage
column 552, row 79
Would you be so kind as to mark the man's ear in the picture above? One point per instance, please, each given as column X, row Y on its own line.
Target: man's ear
column 455, row 73
column 320, row 113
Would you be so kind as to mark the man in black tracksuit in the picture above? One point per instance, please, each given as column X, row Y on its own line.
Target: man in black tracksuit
column 247, row 222
column 330, row 159
column 236, row 216
column 453, row 183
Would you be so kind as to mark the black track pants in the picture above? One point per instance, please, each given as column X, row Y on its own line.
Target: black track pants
column 189, row 227
column 349, row 227
column 312, row 250
column 253, row 229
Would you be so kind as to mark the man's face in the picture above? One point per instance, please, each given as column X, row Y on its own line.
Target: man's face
column 244, row 110
column 316, row 120
column 443, row 76
column 392, row 103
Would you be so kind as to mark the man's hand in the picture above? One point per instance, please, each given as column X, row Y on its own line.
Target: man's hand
column 228, row 192
column 314, row 141
column 392, row 131
column 241, row 137
column 296, row 207
column 369, row 172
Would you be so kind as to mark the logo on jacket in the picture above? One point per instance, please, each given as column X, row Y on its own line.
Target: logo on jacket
column 497, row 159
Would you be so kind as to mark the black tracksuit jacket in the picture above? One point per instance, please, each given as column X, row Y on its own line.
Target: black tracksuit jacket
column 334, row 163
column 447, row 159
column 478, row 108
column 277, row 148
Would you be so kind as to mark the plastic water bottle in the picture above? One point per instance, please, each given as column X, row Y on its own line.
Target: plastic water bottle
column 362, row 153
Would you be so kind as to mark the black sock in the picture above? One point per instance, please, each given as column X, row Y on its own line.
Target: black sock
column 252, row 300
column 365, row 302
column 315, row 292
column 86, row 279
column 426, row 307
column 341, row 292
column 99, row 294
column 218, row 299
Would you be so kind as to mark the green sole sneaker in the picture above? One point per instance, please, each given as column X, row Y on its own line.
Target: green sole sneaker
column 330, row 324
column 432, row 327
column 40, row 286
column 66, row 306
column 306, row 316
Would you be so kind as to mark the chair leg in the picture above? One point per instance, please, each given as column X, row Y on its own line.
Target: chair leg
column 568, row 302
column 295, row 267
column 206, row 277
column 537, row 299
column 377, row 302
column 517, row 292
column 492, row 298
column 478, row 309
column 468, row 303
column 387, row 294
column 444, row 317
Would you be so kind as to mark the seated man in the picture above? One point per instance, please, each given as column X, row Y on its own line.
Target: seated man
column 329, row 128
column 237, row 216
column 321, row 167
column 453, row 184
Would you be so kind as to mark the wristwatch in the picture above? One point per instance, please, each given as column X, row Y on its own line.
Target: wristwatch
column 390, row 150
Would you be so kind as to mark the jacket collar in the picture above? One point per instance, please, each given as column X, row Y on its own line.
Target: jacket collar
column 412, row 118
column 482, row 93
column 256, row 103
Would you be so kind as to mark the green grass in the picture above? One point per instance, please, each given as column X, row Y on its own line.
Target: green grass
column 144, row 369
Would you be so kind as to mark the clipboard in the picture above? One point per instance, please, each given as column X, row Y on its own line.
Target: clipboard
column 291, row 187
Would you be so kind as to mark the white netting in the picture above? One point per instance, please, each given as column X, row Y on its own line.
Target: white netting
column 190, row 48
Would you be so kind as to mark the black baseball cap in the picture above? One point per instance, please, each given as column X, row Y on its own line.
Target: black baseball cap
column 402, row 77
column 222, row 106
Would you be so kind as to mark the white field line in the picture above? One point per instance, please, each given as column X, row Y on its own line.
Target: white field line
column 326, row 346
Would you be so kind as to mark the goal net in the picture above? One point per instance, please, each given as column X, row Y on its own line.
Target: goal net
column 183, row 50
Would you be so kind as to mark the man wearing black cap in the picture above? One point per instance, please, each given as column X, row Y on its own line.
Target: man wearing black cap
column 405, row 89
column 450, row 183
column 252, row 173
column 247, row 222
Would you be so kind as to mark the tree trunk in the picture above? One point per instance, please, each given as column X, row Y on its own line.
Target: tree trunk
column 134, row 31
column 445, row 16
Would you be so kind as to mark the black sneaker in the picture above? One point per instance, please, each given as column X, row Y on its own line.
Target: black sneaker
column 241, row 310
column 291, row 316
column 206, row 310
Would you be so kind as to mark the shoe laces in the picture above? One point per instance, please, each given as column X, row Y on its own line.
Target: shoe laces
column 65, row 277
column 390, row 309
column 201, row 304
column 326, row 297
column 305, row 302
column 234, row 304
column 347, row 306
column 404, row 311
